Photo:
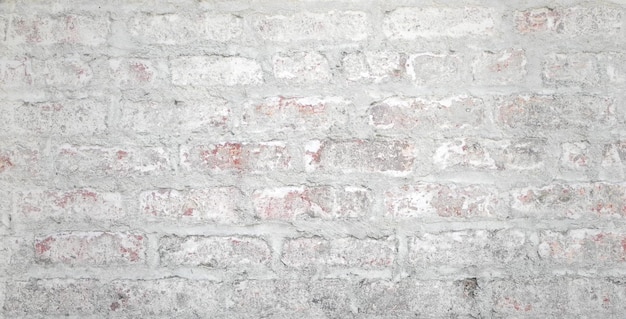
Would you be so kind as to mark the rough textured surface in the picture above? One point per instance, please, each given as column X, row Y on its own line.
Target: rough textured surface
column 312, row 159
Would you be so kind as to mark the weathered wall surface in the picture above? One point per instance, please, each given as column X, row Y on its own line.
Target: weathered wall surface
column 312, row 159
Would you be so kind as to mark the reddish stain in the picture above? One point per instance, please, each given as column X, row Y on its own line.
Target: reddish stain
column 133, row 255
column 188, row 212
column 115, row 306
column 5, row 163
column 121, row 154
column 44, row 245
column 598, row 237
column 228, row 155
column 52, row 107
column 141, row 71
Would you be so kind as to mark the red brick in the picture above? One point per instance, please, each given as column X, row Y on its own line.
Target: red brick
column 538, row 20
column 304, row 202
column 99, row 161
column 278, row 114
column 237, row 156
column 301, row 67
column 91, row 248
column 312, row 253
column 127, row 73
column 439, row 200
column 215, row 205
column 583, row 248
column 449, row 114
column 63, row 29
column 584, row 200
column 394, row 156
column 588, row 21
column 231, row 253
column 67, row 207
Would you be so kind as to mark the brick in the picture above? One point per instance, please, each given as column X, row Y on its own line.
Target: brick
column 278, row 114
column 163, row 297
column 359, row 156
column 68, row 73
column 54, row 297
column 575, row 156
column 319, row 253
column 575, row 69
column 410, row 23
column 21, row 160
column 236, row 156
column 578, row 21
column 437, row 69
column 580, row 200
column 215, row 71
column 97, row 161
column 230, row 253
column 180, row 29
column 301, row 67
column 582, row 248
column 538, row 20
column 270, row 297
column 452, row 113
column 305, row 202
column 91, row 248
column 426, row 200
column 127, row 73
column 613, row 160
column 16, row 73
column 410, row 297
column 374, row 66
column 214, row 205
column 173, row 117
column 470, row 249
column 320, row 298
column 17, row 255
column 332, row 26
column 49, row 207
column 483, row 154
column 63, row 29
column 528, row 296
column 596, row 296
column 66, row 117
column 555, row 112
column 506, row 67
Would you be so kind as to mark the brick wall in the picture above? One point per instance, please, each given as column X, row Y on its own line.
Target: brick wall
column 312, row 159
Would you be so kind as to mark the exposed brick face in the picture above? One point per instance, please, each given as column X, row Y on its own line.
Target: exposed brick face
column 312, row 159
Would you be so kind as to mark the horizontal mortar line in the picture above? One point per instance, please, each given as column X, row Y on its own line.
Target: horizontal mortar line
column 361, row 229
column 407, row 272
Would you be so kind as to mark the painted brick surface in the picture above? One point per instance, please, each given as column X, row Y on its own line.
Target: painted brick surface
column 312, row 159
